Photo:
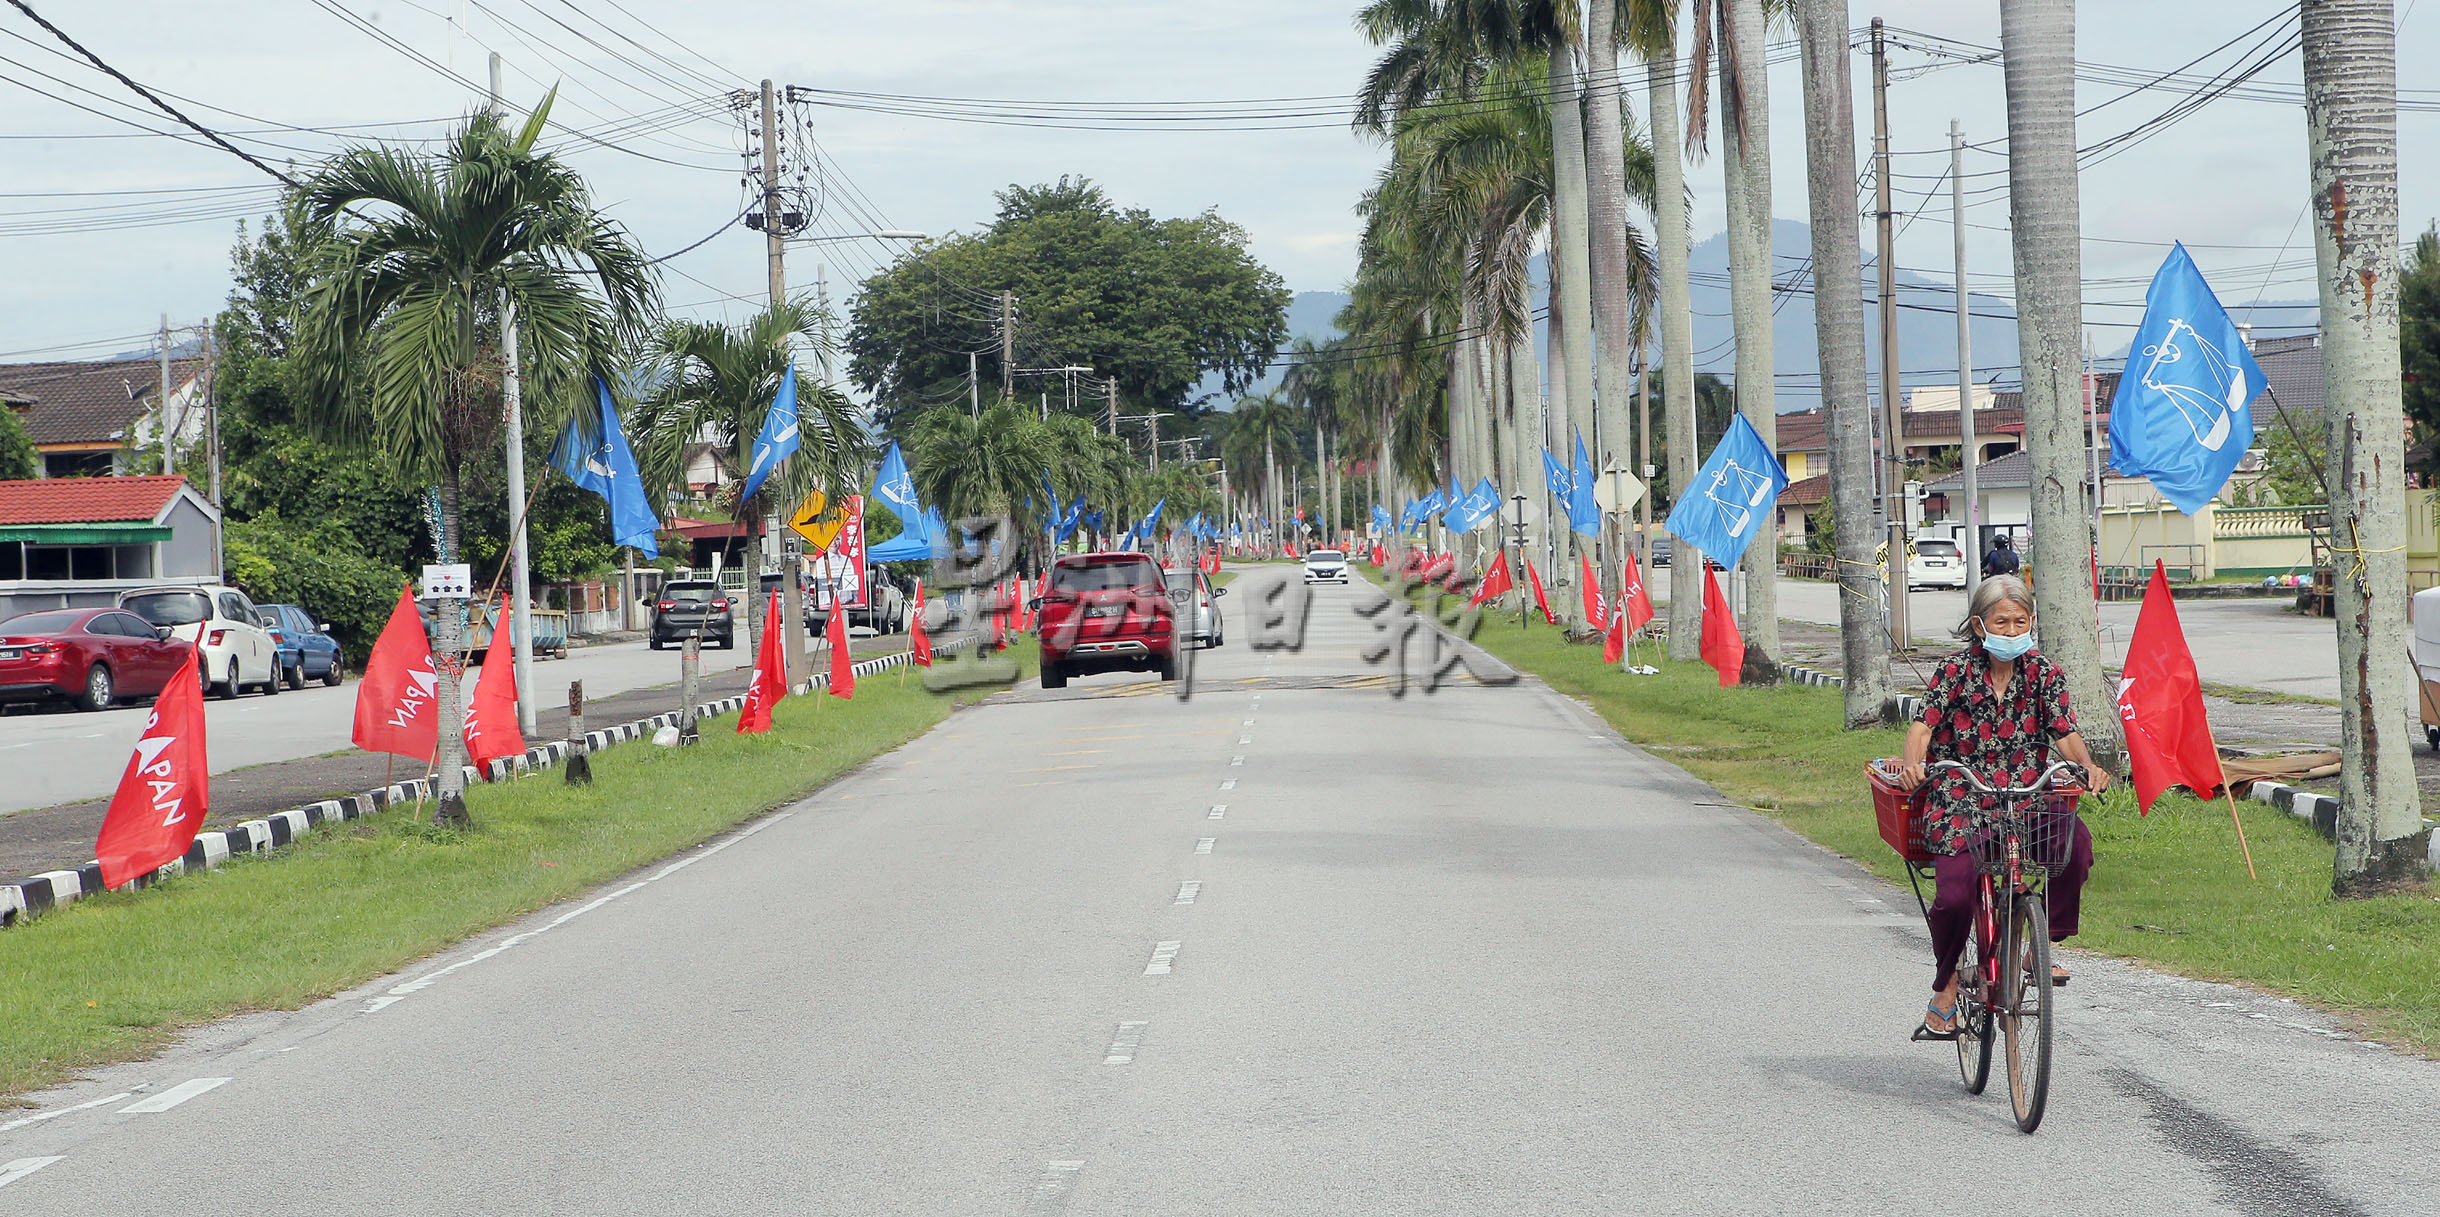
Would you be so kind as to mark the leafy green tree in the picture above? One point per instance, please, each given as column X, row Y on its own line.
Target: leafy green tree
column 1714, row 402
column 1155, row 303
column 987, row 465
column 407, row 255
column 18, row 459
column 320, row 567
column 2419, row 335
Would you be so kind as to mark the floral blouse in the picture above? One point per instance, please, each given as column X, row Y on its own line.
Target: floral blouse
column 2003, row 737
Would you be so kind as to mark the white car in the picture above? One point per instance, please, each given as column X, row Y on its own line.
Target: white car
column 1190, row 585
column 233, row 636
column 1936, row 563
column 1326, row 566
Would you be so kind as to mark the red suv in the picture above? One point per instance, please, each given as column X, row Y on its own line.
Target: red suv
column 1105, row 613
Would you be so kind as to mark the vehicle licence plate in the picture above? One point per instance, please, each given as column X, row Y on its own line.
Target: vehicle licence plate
column 9, row 652
column 1104, row 610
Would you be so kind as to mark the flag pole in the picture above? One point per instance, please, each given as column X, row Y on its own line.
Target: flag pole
column 2231, row 796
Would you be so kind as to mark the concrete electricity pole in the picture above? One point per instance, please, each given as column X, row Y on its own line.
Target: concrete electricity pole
column 169, row 431
column 1969, row 451
column 2351, row 125
column 775, row 546
column 1893, row 415
column 520, row 561
column 1008, row 344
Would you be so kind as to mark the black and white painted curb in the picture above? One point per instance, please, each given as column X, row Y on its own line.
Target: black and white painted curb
column 2321, row 811
column 30, row 898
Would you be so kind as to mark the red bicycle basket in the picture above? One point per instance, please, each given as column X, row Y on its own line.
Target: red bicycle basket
column 1899, row 811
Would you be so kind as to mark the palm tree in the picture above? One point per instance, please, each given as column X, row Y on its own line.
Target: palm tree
column 1263, row 424
column 2037, row 47
column 407, row 255
column 715, row 383
column 990, row 465
column 2350, row 74
column 1654, row 31
column 1839, row 339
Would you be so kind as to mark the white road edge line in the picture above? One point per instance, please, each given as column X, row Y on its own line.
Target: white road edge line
column 420, row 983
column 10, row 1172
column 173, row 1096
column 53, row 1115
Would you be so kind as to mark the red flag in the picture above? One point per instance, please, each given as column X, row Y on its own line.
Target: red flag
column 842, row 664
column 1291, row 549
column 1540, row 601
column 2161, row 700
column 491, row 723
column 1723, row 647
column 1614, row 641
column 1496, row 581
column 771, row 670
column 396, row 710
column 166, row 791
column 1636, row 602
column 917, row 639
column 1593, row 608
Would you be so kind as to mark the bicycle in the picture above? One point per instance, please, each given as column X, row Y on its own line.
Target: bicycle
column 2011, row 925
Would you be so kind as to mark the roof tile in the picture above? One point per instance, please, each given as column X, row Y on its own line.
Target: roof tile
column 86, row 500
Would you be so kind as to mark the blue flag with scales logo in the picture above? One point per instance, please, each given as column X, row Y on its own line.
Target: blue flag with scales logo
column 2181, row 417
column 608, row 469
column 1734, row 496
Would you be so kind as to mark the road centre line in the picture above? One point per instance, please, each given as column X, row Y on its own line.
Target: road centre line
column 1163, row 954
column 1203, row 845
column 1187, row 891
column 1230, row 784
column 173, row 1096
column 1219, row 811
column 1237, row 760
column 10, row 1172
column 1123, row 1045
column 52, row 1115
column 420, row 983
column 1051, row 1190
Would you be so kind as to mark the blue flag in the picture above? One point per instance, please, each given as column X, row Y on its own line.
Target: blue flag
column 1380, row 519
column 778, row 438
column 1554, row 471
column 896, row 489
column 1733, row 497
column 1475, row 507
column 2180, row 417
column 1583, row 511
column 608, row 469
column 1090, row 519
column 1152, row 518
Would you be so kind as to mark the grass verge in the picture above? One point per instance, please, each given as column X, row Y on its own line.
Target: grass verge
column 115, row 976
column 2169, row 889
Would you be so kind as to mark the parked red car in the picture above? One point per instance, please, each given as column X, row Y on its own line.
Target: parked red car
column 95, row 657
column 1105, row 613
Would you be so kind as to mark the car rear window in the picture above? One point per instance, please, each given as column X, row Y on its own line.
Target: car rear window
column 691, row 593
column 1105, row 576
column 39, row 623
column 1936, row 549
column 170, row 608
column 1326, row 555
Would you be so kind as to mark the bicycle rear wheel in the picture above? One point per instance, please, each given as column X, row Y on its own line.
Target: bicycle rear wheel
column 2026, row 1007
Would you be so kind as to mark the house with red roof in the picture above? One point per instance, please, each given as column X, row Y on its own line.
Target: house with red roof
column 88, row 417
column 79, row 541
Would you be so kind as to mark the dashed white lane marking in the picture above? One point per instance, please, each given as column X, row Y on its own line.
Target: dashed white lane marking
column 1230, row 784
column 1236, row 760
column 1219, row 810
column 1123, row 1045
column 1245, row 739
column 10, row 1172
column 173, row 1096
column 402, row 990
column 1187, row 891
column 1203, row 845
column 1163, row 954
column 53, row 1115
column 1051, row 1190
column 1249, row 722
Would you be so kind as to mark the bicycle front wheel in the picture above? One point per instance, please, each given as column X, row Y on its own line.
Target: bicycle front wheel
column 1973, row 1018
column 2026, row 1008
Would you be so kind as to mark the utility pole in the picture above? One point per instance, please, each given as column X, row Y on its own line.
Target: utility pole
column 169, row 431
column 775, row 251
column 520, row 559
column 974, row 389
column 1008, row 344
column 1643, row 463
column 1111, row 390
column 1893, row 426
column 211, row 425
column 1970, row 449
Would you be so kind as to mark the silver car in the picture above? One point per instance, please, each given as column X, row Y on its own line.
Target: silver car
column 1188, row 589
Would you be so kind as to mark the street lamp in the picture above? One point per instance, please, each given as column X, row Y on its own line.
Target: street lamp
column 1519, row 526
column 878, row 234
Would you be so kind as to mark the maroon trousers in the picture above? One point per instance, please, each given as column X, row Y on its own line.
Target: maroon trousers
column 1952, row 911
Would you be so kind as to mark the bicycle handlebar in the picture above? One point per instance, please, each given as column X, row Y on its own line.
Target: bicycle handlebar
column 2041, row 785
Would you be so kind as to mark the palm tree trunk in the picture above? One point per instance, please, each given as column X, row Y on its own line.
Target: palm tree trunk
column 449, row 641
column 1745, row 146
column 1669, row 251
column 1838, row 315
column 2350, row 77
column 1270, row 486
column 2038, row 46
column 1525, row 402
column 1571, row 238
column 1613, row 305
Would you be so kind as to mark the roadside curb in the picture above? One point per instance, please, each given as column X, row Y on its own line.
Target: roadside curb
column 27, row 899
column 2321, row 811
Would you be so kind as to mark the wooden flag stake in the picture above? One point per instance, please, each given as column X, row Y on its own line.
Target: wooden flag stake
column 2231, row 795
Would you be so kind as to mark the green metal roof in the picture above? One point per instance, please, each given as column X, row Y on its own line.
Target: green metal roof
column 85, row 534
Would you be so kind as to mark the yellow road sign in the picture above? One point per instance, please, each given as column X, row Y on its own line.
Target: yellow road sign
column 818, row 520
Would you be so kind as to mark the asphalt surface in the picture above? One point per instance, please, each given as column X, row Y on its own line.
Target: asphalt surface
column 61, row 835
column 1292, row 946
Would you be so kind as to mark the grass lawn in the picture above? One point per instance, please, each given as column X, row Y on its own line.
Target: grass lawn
column 2169, row 889
column 113, row 977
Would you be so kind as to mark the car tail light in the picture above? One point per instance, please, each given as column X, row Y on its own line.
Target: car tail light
column 42, row 648
column 666, row 605
column 217, row 637
column 720, row 606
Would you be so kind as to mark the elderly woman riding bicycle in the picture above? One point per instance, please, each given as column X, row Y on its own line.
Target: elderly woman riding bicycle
column 1998, row 708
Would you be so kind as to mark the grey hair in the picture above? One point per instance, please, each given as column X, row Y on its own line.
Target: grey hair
column 1987, row 595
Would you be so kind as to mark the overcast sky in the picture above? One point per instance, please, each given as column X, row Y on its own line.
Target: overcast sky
column 74, row 271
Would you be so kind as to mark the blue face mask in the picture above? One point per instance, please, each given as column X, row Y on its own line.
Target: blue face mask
column 2008, row 647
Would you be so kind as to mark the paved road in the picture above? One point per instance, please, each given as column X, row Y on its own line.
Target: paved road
column 80, row 756
column 2258, row 643
column 1291, row 947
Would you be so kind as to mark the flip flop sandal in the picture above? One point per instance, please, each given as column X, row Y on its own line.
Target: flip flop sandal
column 1924, row 1030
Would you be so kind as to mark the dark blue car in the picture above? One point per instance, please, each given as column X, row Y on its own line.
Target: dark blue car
column 307, row 651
